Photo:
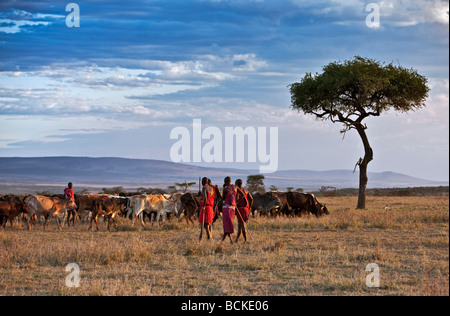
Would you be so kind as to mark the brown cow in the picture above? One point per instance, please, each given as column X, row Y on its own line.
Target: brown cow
column 306, row 204
column 106, row 207
column 84, row 204
column 48, row 207
column 285, row 208
column 10, row 210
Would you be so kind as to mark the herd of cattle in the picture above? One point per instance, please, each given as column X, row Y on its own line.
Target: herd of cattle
column 29, row 208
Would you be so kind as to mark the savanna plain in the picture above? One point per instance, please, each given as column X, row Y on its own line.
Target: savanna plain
column 407, row 237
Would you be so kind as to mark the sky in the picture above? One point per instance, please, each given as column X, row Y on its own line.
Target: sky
column 117, row 85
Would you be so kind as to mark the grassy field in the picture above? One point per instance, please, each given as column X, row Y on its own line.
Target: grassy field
column 407, row 237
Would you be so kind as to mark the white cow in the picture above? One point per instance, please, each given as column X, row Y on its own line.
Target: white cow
column 152, row 203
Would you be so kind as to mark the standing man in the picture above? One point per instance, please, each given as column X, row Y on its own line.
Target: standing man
column 229, row 207
column 217, row 200
column 243, row 205
column 68, row 192
column 206, row 215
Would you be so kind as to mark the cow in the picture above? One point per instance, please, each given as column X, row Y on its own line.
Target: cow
column 175, row 198
column 10, row 210
column 156, row 203
column 285, row 208
column 190, row 205
column 178, row 204
column 322, row 207
column 305, row 203
column 135, row 207
column 48, row 207
column 108, row 207
column 266, row 204
column 84, row 204
column 5, row 198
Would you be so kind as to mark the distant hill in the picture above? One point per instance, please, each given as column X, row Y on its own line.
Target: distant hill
column 107, row 172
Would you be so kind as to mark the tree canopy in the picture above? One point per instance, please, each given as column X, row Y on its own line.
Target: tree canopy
column 255, row 183
column 350, row 91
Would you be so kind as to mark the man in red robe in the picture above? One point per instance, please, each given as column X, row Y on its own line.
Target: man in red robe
column 68, row 192
column 243, row 206
column 230, row 192
column 206, row 214
column 217, row 200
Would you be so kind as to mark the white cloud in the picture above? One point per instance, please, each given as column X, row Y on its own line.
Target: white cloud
column 393, row 12
column 12, row 26
column 85, row 87
column 408, row 13
column 15, row 20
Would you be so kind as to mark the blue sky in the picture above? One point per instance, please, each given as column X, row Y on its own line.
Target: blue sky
column 134, row 70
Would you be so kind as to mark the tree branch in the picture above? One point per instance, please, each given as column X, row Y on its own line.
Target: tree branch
column 321, row 115
column 358, row 164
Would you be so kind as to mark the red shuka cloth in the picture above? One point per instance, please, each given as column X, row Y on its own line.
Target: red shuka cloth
column 209, row 215
column 227, row 216
column 243, row 214
column 68, row 192
column 207, row 207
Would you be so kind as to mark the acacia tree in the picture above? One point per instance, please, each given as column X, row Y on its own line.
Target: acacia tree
column 255, row 183
column 273, row 188
column 349, row 92
column 184, row 186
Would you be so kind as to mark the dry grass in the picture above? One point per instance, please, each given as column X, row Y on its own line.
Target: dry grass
column 407, row 237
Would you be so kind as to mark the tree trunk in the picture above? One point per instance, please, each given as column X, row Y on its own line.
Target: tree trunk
column 363, row 179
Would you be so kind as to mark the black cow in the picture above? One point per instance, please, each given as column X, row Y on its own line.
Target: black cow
column 190, row 205
column 267, row 204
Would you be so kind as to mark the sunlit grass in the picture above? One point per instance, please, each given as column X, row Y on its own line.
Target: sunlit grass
column 407, row 237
